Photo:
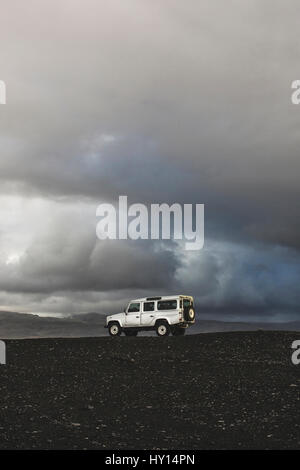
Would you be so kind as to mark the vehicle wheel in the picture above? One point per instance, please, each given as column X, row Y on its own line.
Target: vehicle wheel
column 130, row 333
column 178, row 331
column 162, row 329
column 189, row 314
column 114, row 329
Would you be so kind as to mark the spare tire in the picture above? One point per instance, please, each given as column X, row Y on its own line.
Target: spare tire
column 189, row 314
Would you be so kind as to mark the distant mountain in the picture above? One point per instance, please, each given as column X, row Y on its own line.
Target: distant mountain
column 26, row 325
column 92, row 317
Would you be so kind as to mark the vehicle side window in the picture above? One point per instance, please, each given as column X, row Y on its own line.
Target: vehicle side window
column 134, row 307
column 148, row 306
column 167, row 305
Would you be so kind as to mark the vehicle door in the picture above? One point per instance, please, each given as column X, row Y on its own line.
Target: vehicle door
column 133, row 314
column 147, row 315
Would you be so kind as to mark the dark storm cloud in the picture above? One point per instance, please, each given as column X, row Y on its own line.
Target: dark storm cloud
column 66, row 256
column 163, row 101
column 107, row 267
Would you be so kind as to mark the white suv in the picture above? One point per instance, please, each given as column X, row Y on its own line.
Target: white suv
column 171, row 314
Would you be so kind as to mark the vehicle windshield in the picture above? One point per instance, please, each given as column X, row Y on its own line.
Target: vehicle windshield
column 134, row 307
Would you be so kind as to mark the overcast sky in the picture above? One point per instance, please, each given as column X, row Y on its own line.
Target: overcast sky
column 163, row 101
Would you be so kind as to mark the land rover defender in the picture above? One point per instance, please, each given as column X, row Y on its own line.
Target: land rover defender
column 165, row 315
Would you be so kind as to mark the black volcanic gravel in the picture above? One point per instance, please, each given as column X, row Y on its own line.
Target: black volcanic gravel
column 208, row 391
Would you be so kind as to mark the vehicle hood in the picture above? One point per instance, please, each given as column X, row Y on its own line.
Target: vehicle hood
column 116, row 316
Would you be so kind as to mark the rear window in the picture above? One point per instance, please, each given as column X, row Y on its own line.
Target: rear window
column 167, row 305
column 186, row 302
column 148, row 306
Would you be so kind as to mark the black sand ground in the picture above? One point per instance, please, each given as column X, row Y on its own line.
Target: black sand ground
column 209, row 391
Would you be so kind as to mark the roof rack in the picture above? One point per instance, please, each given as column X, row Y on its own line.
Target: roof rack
column 153, row 298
